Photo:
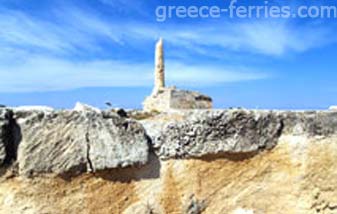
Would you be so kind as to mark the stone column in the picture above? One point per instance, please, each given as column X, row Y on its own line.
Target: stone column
column 159, row 73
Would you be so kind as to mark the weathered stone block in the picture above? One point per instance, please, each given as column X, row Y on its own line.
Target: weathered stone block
column 219, row 131
column 5, row 133
column 309, row 123
column 172, row 98
column 53, row 143
column 116, row 142
column 78, row 141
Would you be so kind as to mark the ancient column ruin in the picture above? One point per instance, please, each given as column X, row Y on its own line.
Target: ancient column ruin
column 165, row 98
column 159, row 72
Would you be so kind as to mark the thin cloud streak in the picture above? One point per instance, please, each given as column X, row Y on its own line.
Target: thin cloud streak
column 54, row 74
column 43, row 50
column 210, row 75
column 258, row 37
column 83, row 30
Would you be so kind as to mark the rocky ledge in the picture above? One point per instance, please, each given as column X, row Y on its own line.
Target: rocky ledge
column 5, row 135
column 76, row 141
column 73, row 141
column 191, row 162
column 213, row 132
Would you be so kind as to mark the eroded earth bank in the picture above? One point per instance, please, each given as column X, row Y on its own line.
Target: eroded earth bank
column 209, row 161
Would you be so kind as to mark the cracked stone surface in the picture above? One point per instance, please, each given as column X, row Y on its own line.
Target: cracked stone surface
column 87, row 140
column 309, row 123
column 168, row 99
column 78, row 141
column 5, row 116
column 297, row 174
column 116, row 142
column 198, row 133
column 218, row 131
column 53, row 143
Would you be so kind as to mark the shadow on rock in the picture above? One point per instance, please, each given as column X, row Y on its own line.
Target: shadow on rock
column 14, row 141
column 235, row 157
column 125, row 175
column 149, row 171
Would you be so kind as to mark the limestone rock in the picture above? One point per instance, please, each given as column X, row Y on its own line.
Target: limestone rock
column 84, row 107
column 242, row 211
column 194, row 206
column 53, row 143
column 309, row 123
column 116, row 142
column 197, row 133
column 34, row 108
column 23, row 112
column 141, row 115
column 215, row 132
column 5, row 132
column 2, row 140
column 333, row 108
column 298, row 176
column 121, row 112
column 171, row 98
column 73, row 142
column 155, row 124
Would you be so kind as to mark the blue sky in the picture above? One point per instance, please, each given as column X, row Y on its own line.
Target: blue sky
column 57, row 52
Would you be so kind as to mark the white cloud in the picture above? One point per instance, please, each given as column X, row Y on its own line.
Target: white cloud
column 68, row 32
column 35, row 54
column 21, row 31
column 78, row 30
column 259, row 37
column 201, row 74
column 280, row 38
column 48, row 74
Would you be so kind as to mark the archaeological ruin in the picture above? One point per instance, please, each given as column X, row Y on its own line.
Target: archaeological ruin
column 165, row 98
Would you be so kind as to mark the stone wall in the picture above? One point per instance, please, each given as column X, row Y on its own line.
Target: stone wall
column 78, row 141
column 167, row 99
column 201, row 161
